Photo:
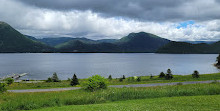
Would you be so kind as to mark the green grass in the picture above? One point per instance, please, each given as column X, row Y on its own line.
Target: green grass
column 27, row 101
column 183, row 103
column 144, row 80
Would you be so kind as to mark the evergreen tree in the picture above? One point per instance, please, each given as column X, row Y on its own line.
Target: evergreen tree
column 74, row 80
column 218, row 60
column 110, row 77
column 161, row 75
column 169, row 74
column 123, row 77
column 55, row 77
column 195, row 74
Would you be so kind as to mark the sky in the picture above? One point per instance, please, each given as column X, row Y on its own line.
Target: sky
column 179, row 20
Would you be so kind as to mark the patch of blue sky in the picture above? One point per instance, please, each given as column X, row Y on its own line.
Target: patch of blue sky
column 185, row 24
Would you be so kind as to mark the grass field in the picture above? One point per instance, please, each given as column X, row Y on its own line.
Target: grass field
column 183, row 103
column 144, row 80
column 27, row 101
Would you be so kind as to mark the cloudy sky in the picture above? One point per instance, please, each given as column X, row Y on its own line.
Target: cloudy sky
column 101, row 19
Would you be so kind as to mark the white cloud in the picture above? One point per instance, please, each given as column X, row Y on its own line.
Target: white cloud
column 40, row 22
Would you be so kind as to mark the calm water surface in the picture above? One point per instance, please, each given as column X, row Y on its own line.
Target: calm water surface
column 42, row 66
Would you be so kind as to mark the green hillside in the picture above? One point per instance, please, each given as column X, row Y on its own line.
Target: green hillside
column 13, row 41
column 188, row 48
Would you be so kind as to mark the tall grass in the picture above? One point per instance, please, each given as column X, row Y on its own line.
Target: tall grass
column 28, row 101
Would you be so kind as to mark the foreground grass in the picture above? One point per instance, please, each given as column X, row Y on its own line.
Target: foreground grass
column 27, row 101
column 183, row 103
column 144, row 80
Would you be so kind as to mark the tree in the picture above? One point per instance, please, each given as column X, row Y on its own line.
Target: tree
column 195, row 74
column 74, row 80
column 110, row 77
column 218, row 60
column 95, row 82
column 161, row 75
column 55, row 77
column 123, row 77
column 169, row 75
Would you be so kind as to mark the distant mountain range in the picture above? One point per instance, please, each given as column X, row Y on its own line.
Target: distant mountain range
column 13, row 41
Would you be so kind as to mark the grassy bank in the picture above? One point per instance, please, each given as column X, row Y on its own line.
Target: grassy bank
column 183, row 103
column 144, row 80
column 25, row 101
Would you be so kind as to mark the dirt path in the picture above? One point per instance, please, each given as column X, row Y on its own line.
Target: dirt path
column 117, row 86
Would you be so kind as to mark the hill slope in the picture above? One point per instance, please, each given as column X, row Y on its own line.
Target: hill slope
column 13, row 41
column 188, row 48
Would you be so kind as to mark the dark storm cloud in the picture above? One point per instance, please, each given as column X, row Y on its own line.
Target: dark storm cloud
column 147, row 10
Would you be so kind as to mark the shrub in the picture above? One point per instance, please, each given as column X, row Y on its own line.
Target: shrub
column 120, row 79
column 110, row 77
column 169, row 75
column 195, row 74
column 74, row 80
column 9, row 81
column 95, row 82
column 151, row 76
column 162, row 75
column 138, row 79
column 49, row 80
column 2, row 87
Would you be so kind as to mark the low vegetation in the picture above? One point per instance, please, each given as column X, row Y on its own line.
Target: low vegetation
column 184, row 103
column 2, row 87
column 27, row 101
column 94, row 83
column 115, row 81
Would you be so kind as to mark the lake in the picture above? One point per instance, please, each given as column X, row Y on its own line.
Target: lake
column 42, row 65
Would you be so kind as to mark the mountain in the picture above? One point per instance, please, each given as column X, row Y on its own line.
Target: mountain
column 13, row 41
column 134, row 42
column 141, row 42
column 188, row 48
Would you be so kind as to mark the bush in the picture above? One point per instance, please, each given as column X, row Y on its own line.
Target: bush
column 138, row 79
column 2, row 87
column 120, row 79
column 9, row 81
column 110, row 77
column 74, row 80
column 49, row 80
column 195, row 74
column 151, row 76
column 169, row 75
column 162, row 75
column 95, row 82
